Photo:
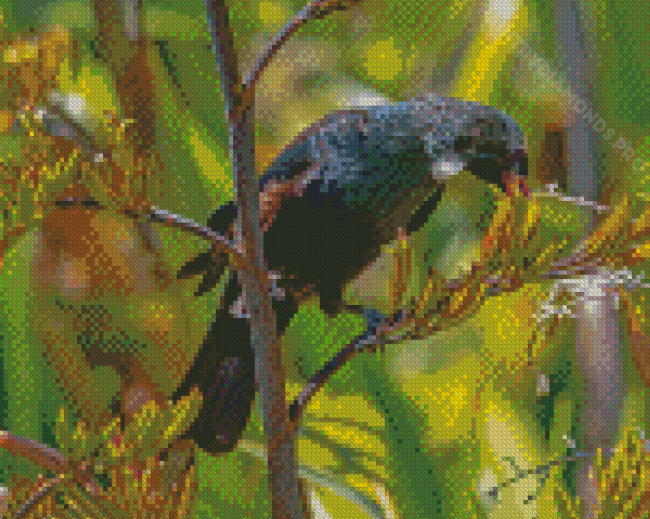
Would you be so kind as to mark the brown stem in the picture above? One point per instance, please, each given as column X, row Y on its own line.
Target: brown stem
column 578, row 57
column 222, row 44
column 598, row 352
column 337, row 362
column 125, row 51
column 316, row 9
column 50, row 460
column 42, row 455
column 287, row 491
column 42, row 491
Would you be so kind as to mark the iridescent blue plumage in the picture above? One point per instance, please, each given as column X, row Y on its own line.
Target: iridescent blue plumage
column 370, row 158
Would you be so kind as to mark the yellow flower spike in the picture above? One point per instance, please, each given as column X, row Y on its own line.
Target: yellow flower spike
column 63, row 431
column 641, row 227
column 110, row 437
column 621, row 478
column 510, row 232
column 639, row 253
column 550, row 252
column 80, row 435
column 401, row 275
column 530, row 227
column 431, row 293
column 499, row 239
column 184, row 414
column 87, row 506
column 610, row 230
column 155, row 428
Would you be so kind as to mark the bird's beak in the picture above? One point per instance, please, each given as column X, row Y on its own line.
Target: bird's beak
column 523, row 187
column 516, row 184
column 515, row 180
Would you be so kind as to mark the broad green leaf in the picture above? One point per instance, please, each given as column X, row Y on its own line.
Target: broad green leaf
column 20, row 356
column 511, row 452
column 235, row 484
column 489, row 52
column 446, row 398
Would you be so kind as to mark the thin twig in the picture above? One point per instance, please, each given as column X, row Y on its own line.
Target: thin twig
column 543, row 469
column 180, row 222
column 340, row 360
column 46, row 457
column 551, row 192
column 42, row 491
column 50, row 460
column 316, row 9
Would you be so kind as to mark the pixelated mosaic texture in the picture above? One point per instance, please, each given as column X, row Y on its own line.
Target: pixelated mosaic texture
column 529, row 400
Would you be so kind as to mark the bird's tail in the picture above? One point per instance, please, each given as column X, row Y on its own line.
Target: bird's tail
column 224, row 370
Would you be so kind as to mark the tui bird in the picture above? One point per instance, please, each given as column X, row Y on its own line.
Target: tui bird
column 343, row 188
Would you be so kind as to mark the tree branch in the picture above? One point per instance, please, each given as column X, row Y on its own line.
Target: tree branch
column 187, row 224
column 316, row 9
column 42, row 491
column 341, row 359
column 42, row 455
column 50, row 460
column 287, row 491
column 598, row 351
column 224, row 48
column 288, row 494
column 578, row 58
column 124, row 48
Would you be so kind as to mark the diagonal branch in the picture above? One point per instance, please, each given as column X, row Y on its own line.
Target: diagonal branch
column 50, row 460
column 341, row 359
column 315, row 10
column 46, row 457
column 37, row 496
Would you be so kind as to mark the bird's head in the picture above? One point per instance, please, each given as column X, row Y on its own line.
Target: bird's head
column 462, row 135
